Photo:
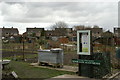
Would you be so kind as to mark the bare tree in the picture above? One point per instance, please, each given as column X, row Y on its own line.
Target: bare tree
column 59, row 24
column 95, row 26
column 79, row 27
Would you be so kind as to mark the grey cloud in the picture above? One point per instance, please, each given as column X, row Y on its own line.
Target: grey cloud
column 32, row 12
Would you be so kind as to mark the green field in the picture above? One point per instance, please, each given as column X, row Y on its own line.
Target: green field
column 24, row 70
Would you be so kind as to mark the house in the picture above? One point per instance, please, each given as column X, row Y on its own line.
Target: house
column 117, row 32
column 49, row 34
column 58, row 32
column 107, row 38
column 36, row 32
column 96, row 32
column 63, row 31
column 117, row 35
column 10, row 34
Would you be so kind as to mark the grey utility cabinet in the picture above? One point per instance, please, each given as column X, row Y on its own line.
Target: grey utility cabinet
column 52, row 57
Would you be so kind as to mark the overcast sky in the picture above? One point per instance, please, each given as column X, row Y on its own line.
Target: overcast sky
column 44, row 14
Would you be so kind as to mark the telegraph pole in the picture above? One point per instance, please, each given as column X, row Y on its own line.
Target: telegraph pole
column 23, row 47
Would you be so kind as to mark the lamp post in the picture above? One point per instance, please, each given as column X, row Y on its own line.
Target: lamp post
column 23, row 46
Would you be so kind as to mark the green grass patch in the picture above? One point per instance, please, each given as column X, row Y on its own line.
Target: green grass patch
column 70, row 52
column 20, row 57
column 19, row 50
column 24, row 70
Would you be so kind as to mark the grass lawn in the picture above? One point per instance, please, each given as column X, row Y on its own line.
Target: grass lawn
column 27, row 56
column 24, row 70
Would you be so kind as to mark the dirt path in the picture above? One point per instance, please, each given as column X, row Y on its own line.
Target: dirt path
column 65, row 68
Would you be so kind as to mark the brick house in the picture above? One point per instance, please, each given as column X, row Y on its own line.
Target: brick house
column 59, row 32
column 37, row 32
column 63, row 31
column 117, row 32
column 117, row 35
column 108, row 38
column 96, row 32
column 10, row 34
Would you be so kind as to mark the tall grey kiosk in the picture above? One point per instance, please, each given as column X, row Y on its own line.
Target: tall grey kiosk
column 93, row 65
column 83, row 48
